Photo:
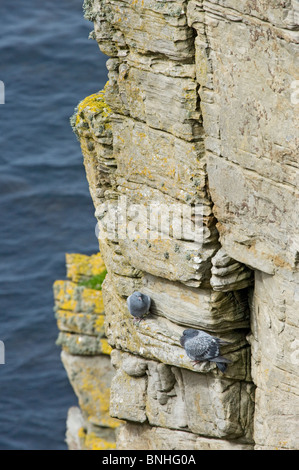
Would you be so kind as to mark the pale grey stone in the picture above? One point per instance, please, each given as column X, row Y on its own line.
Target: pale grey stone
column 145, row 437
column 228, row 274
column 128, row 397
column 75, row 422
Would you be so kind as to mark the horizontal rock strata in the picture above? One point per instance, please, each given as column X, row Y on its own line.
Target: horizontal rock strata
column 190, row 153
column 85, row 353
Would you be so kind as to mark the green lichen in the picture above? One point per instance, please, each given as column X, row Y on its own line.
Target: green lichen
column 94, row 282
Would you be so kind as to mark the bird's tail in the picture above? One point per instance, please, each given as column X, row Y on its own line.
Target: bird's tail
column 222, row 362
column 223, row 341
column 221, row 366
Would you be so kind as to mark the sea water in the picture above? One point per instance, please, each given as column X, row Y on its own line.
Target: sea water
column 47, row 65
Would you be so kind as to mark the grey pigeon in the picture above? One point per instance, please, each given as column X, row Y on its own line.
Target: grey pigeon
column 138, row 305
column 201, row 346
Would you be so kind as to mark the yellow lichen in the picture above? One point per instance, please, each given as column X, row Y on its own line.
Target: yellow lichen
column 68, row 296
column 99, row 323
column 94, row 297
column 94, row 104
column 97, row 399
column 94, row 442
column 106, row 348
column 80, row 322
column 79, row 265
column 82, row 433
column 64, row 295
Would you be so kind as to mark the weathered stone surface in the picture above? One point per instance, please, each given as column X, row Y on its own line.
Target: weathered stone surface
column 80, row 267
column 175, row 398
column 218, row 407
column 143, row 26
column 145, row 98
column 82, row 344
column 82, row 435
column 252, row 224
column 85, row 353
column 251, row 125
column 275, row 354
column 228, row 274
column 74, row 424
column 77, row 298
column 128, row 397
column 158, row 338
column 165, row 398
column 246, row 57
column 83, row 323
column 145, row 437
column 195, row 307
column 159, row 159
column 91, row 378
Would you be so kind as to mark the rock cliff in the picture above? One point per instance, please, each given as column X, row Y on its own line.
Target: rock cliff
column 191, row 156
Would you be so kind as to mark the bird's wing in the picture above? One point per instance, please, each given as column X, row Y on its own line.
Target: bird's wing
column 222, row 341
column 202, row 348
column 146, row 300
column 195, row 348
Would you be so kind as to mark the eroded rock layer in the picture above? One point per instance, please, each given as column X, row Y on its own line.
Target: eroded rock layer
column 191, row 157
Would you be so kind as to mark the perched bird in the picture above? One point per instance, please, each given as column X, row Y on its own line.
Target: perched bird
column 138, row 305
column 201, row 346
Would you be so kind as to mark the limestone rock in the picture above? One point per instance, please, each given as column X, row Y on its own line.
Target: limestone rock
column 77, row 298
column 145, row 437
column 275, row 354
column 196, row 307
column 199, row 114
column 83, row 344
column 228, row 274
column 148, row 26
column 82, row 435
column 158, row 338
column 250, row 122
column 80, row 267
column 150, row 156
column 128, row 397
column 91, row 378
column 74, row 424
column 179, row 399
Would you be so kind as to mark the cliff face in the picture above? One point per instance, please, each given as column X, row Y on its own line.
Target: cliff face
column 191, row 156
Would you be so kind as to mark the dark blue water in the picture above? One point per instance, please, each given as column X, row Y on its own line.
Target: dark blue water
column 48, row 65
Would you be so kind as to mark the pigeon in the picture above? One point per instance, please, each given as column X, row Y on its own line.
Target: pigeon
column 201, row 346
column 138, row 305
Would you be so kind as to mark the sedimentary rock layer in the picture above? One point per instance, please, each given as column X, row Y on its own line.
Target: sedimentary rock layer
column 191, row 157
